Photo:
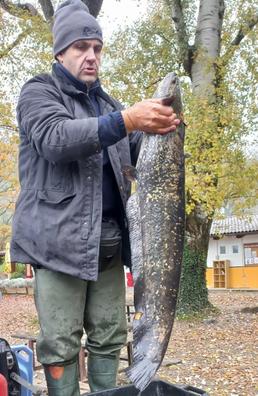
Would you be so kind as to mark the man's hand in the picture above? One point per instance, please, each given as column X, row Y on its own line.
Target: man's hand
column 150, row 116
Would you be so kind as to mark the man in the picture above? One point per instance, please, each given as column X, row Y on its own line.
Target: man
column 70, row 220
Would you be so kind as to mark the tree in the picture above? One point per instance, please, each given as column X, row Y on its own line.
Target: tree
column 209, row 43
column 8, row 179
column 24, row 38
column 219, row 109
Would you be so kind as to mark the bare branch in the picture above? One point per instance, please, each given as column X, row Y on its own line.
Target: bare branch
column 245, row 30
column 9, row 218
column 18, row 9
column 161, row 35
column 5, row 52
column 3, row 187
column 12, row 128
column 241, row 34
column 48, row 9
column 182, row 36
column 5, row 209
column 94, row 6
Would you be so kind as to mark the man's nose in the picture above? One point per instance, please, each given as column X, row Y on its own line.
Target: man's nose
column 90, row 55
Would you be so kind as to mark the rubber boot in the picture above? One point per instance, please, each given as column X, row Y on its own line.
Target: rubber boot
column 62, row 380
column 102, row 372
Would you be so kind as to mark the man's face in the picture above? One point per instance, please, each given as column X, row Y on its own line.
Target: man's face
column 82, row 60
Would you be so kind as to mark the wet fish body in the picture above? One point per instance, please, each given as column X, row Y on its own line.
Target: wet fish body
column 156, row 224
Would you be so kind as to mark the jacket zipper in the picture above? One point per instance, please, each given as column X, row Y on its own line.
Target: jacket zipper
column 92, row 183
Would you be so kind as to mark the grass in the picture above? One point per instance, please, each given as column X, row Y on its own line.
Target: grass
column 206, row 313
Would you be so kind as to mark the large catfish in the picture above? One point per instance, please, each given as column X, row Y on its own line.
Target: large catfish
column 156, row 224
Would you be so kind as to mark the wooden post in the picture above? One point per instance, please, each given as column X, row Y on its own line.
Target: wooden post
column 28, row 271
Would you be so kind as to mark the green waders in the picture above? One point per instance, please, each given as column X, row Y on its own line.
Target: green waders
column 65, row 306
column 64, row 383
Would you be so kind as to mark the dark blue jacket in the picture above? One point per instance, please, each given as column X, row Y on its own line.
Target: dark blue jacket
column 57, row 221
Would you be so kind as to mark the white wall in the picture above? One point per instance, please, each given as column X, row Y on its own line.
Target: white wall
column 236, row 259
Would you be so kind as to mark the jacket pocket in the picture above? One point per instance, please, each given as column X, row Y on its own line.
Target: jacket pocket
column 110, row 239
column 55, row 197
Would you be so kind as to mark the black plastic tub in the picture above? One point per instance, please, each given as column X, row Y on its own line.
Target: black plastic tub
column 156, row 388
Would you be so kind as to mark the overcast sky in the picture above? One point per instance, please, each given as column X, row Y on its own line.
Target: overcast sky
column 115, row 13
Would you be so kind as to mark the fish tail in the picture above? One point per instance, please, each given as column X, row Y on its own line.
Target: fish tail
column 141, row 372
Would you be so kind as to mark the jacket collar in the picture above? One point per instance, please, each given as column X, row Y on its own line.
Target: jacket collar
column 71, row 89
column 71, row 84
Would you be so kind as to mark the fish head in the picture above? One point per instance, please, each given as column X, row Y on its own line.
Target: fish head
column 169, row 91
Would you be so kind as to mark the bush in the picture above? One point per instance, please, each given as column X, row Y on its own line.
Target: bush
column 5, row 235
column 19, row 271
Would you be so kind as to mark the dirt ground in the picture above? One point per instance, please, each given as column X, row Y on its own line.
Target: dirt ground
column 218, row 354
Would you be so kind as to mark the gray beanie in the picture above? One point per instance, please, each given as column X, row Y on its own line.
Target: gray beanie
column 72, row 22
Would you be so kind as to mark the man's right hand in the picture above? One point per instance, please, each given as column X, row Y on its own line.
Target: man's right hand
column 150, row 116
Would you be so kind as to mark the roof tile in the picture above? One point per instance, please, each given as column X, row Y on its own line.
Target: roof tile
column 234, row 225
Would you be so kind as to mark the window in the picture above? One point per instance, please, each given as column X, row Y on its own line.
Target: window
column 222, row 249
column 251, row 253
column 235, row 249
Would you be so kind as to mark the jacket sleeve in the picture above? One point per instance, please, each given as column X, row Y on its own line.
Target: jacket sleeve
column 111, row 128
column 135, row 138
column 51, row 129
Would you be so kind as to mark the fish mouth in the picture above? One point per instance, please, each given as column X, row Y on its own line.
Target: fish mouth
column 167, row 101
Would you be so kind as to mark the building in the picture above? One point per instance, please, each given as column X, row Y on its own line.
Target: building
column 232, row 260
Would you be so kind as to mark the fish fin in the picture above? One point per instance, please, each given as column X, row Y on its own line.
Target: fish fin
column 130, row 172
column 142, row 372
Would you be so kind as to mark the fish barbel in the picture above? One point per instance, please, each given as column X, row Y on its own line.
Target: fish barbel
column 156, row 225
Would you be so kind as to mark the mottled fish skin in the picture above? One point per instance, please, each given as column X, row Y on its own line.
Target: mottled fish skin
column 156, row 224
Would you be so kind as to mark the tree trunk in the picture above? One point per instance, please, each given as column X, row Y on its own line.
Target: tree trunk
column 94, row 6
column 193, row 294
column 207, row 48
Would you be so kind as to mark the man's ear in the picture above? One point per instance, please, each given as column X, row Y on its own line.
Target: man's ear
column 60, row 57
